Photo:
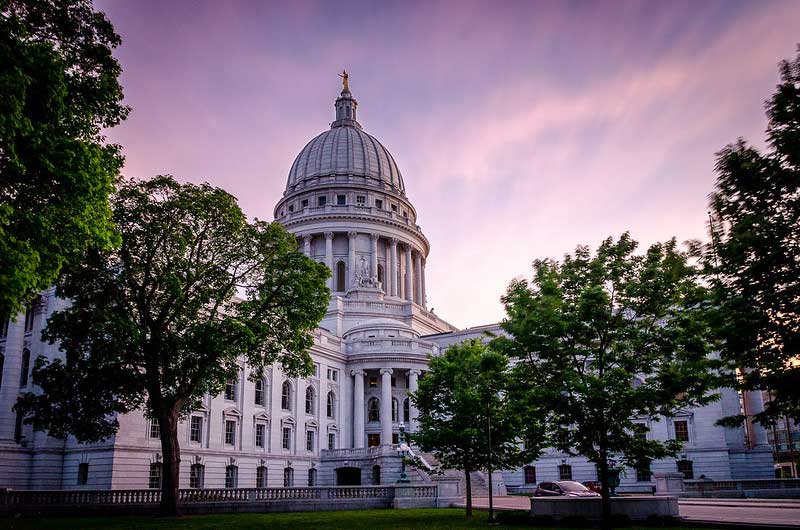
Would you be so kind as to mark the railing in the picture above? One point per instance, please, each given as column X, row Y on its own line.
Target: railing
column 425, row 491
column 706, row 486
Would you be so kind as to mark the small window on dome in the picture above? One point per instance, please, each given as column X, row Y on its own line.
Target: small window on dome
column 405, row 213
column 291, row 208
column 361, row 200
column 394, row 207
column 379, row 204
column 322, row 201
column 341, row 200
column 304, row 203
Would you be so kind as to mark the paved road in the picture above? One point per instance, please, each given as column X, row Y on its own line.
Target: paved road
column 777, row 513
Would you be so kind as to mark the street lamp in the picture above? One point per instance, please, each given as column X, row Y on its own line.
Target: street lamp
column 402, row 451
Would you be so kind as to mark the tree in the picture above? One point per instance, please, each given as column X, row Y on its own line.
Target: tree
column 60, row 89
column 754, row 258
column 193, row 290
column 610, row 340
column 465, row 387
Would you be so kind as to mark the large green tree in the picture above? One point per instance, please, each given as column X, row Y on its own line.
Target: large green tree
column 466, row 392
column 610, row 340
column 754, row 257
column 60, row 89
column 193, row 291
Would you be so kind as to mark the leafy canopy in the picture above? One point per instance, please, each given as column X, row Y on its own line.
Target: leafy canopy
column 608, row 340
column 60, row 88
column 166, row 317
column 754, row 258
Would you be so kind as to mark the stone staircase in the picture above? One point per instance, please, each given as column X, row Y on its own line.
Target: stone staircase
column 479, row 479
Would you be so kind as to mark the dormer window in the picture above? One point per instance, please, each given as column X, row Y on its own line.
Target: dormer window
column 394, row 207
column 379, row 204
column 322, row 201
column 291, row 208
column 361, row 200
column 341, row 200
column 304, row 203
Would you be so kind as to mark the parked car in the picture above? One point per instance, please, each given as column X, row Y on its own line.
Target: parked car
column 563, row 488
column 593, row 485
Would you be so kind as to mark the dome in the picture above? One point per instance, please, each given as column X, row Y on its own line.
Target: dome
column 346, row 150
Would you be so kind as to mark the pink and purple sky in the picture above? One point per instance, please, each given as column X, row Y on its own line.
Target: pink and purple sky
column 521, row 128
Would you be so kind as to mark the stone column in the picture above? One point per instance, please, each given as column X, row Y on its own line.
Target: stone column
column 373, row 256
column 424, row 301
column 413, row 386
column 358, row 408
column 409, row 276
column 386, row 406
column 755, row 405
column 351, row 248
column 418, row 279
column 307, row 244
column 12, row 365
column 393, row 271
column 329, row 258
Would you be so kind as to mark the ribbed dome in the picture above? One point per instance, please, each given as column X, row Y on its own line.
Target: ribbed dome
column 345, row 150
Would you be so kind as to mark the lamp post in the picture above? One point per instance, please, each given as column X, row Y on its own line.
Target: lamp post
column 402, row 451
column 489, row 447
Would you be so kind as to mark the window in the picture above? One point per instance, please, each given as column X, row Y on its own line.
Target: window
column 310, row 441
column 286, row 439
column 380, row 274
column 331, row 404
column 331, row 441
column 565, row 472
column 373, row 440
column 395, row 412
column 312, row 477
column 333, row 374
column 260, row 430
column 406, row 410
column 288, row 477
column 316, row 370
column 376, row 475
column 155, row 429
column 361, row 200
column 230, row 390
column 197, row 476
column 395, row 438
column 322, row 201
column 373, row 381
column 530, row 474
column 18, row 427
column 2, row 361
column 291, row 208
column 231, row 476
column 28, row 320
column 261, row 476
column 374, row 409
column 83, row 474
column 154, row 480
column 230, row 432
column 286, row 396
column 643, row 473
column 394, row 207
column 341, row 200
column 379, row 204
column 25, row 368
column 310, row 400
column 4, row 327
column 405, row 213
column 259, row 397
column 687, row 468
column 681, row 430
column 304, row 203
column 340, row 275
column 196, row 429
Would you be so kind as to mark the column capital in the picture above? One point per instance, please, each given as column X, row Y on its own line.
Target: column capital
column 393, row 240
column 387, row 371
column 415, row 372
column 373, row 236
column 352, row 234
column 328, row 235
column 308, row 237
column 358, row 372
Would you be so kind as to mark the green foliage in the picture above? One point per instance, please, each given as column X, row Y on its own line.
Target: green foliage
column 464, row 386
column 60, row 88
column 754, row 258
column 609, row 338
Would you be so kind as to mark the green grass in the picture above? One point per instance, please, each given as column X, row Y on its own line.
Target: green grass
column 369, row 519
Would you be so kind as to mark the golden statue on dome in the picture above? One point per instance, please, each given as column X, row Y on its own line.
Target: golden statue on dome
column 345, row 80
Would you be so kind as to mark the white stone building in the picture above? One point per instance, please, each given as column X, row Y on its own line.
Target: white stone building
column 346, row 202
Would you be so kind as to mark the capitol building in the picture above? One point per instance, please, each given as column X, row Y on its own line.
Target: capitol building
column 347, row 204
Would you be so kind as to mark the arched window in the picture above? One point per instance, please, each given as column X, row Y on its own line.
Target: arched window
column 340, row 276
column 310, row 400
column 261, row 476
column 312, row 477
column 380, row 274
column 288, row 477
column 154, row 481
column 331, row 404
column 376, row 475
column 25, row 368
column 260, row 397
column 406, row 410
column 231, row 476
column 395, row 412
column 286, row 396
column 373, row 409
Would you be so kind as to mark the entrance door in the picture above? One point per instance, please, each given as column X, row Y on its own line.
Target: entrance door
column 348, row 476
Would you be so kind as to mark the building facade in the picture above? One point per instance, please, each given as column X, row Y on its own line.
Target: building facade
column 346, row 202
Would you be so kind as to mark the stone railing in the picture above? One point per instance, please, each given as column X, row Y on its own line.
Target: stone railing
column 742, row 488
column 218, row 499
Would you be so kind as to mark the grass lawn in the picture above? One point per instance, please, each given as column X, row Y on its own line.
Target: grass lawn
column 370, row 519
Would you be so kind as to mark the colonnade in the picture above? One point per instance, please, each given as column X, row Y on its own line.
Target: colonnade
column 404, row 265
column 359, row 423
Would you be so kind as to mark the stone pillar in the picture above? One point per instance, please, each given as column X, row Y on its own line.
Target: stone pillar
column 12, row 365
column 351, row 248
column 386, row 406
column 307, row 244
column 373, row 256
column 329, row 258
column 394, row 269
column 424, row 301
column 358, row 408
column 409, row 276
column 413, row 386
column 418, row 278
column 754, row 400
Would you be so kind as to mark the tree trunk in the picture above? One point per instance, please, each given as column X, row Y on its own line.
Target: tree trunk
column 170, row 468
column 469, row 490
column 605, row 491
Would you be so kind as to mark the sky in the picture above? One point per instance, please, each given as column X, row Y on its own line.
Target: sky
column 522, row 129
